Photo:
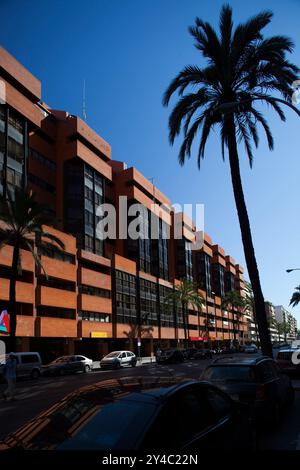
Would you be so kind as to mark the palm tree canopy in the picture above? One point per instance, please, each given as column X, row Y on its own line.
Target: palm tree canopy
column 295, row 300
column 233, row 299
column 243, row 68
column 186, row 293
column 22, row 220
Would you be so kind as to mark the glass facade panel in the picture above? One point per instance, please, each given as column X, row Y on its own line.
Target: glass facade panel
column 126, row 309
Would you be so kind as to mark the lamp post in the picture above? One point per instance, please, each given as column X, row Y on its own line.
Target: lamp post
column 293, row 269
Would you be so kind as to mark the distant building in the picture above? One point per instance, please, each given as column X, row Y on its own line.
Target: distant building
column 282, row 315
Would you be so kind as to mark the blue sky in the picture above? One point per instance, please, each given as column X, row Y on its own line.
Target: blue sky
column 127, row 51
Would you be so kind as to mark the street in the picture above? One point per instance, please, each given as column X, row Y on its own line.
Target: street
column 34, row 397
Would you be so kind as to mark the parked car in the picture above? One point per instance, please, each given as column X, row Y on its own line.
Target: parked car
column 29, row 365
column 284, row 361
column 204, row 354
column 170, row 356
column 139, row 414
column 117, row 359
column 257, row 381
column 190, row 352
column 229, row 351
column 68, row 365
column 250, row 349
column 278, row 347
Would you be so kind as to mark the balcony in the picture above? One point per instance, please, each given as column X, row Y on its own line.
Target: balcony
column 193, row 320
column 59, row 269
column 56, row 327
column 93, row 303
column 25, row 325
column 167, row 333
column 50, row 297
column 27, row 260
column 24, row 291
column 94, row 278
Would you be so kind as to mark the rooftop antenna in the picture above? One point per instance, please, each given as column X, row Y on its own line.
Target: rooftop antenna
column 83, row 102
column 152, row 182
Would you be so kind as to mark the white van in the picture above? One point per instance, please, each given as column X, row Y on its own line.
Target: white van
column 29, row 365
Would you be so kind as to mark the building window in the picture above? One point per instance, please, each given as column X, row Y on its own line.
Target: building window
column 56, row 312
column 55, row 253
column 218, row 279
column 148, row 302
column 96, row 291
column 229, row 281
column 166, row 307
column 126, row 298
column 184, row 259
column 56, row 283
column 93, row 316
column 204, row 272
column 37, row 156
column 41, row 183
column 15, row 151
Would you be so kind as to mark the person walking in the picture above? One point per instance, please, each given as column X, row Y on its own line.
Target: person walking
column 10, row 374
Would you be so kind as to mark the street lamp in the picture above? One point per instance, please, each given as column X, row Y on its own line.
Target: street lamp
column 293, row 269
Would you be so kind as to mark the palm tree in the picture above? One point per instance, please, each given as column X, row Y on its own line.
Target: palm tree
column 295, row 300
column 185, row 295
column 281, row 328
column 22, row 224
column 242, row 68
column 233, row 301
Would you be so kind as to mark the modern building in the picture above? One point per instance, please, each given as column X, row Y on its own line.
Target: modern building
column 282, row 315
column 96, row 292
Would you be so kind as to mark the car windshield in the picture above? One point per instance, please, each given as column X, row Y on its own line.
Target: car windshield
column 113, row 354
column 230, row 374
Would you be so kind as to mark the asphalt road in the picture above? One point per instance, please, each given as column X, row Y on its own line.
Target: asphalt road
column 34, row 397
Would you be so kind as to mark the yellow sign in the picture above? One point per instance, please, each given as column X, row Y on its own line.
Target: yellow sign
column 98, row 334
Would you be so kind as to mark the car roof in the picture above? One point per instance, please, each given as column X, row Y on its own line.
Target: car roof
column 239, row 361
column 284, row 350
column 147, row 390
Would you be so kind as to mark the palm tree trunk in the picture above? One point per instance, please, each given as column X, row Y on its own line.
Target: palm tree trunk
column 12, row 298
column 247, row 238
column 184, row 323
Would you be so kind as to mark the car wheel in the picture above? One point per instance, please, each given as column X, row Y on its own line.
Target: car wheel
column 133, row 364
column 62, row 372
column 87, row 368
column 35, row 374
column 118, row 365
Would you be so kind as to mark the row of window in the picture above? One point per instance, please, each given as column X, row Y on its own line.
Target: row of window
column 41, row 183
column 53, row 252
column 94, row 316
column 96, row 291
column 35, row 155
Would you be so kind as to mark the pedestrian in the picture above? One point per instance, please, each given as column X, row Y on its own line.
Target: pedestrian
column 10, row 374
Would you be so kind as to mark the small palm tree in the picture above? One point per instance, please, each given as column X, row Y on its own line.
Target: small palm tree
column 243, row 68
column 295, row 300
column 236, row 303
column 185, row 295
column 282, row 329
column 22, row 223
